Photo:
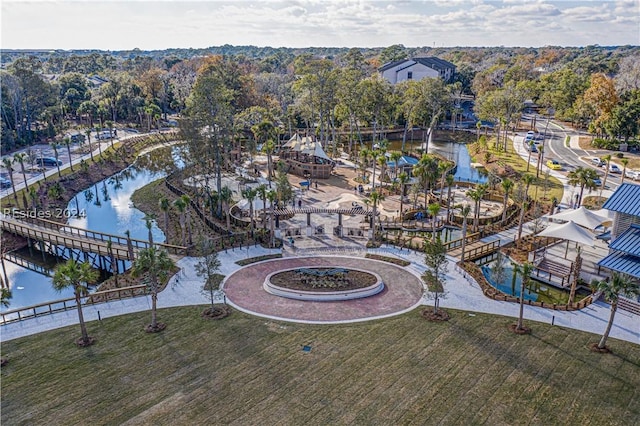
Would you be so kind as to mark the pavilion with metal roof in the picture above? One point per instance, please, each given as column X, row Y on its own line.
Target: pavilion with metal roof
column 624, row 250
column 625, row 255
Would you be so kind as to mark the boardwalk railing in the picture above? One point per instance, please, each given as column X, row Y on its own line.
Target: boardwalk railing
column 62, row 305
column 478, row 252
column 81, row 239
column 544, row 274
column 62, row 228
column 454, row 244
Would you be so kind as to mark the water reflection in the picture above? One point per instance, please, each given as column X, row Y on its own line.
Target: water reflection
column 457, row 152
column 105, row 207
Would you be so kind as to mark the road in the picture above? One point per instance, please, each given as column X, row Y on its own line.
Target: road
column 570, row 156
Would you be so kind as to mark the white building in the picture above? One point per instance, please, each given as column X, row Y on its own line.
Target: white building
column 417, row 69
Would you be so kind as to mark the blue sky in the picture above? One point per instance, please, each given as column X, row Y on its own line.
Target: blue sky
column 119, row 25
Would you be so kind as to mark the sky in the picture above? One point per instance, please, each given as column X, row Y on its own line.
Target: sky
column 151, row 25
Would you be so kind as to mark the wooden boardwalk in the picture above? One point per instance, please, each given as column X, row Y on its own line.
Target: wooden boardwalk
column 87, row 241
column 475, row 250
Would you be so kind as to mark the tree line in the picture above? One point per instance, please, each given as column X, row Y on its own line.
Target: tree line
column 324, row 91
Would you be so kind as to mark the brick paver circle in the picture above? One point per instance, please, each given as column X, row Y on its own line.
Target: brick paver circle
column 403, row 291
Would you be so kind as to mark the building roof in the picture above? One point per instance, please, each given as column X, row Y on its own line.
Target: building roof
column 622, row 262
column 435, row 63
column 403, row 161
column 628, row 242
column 391, row 64
column 431, row 62
column 625, row 200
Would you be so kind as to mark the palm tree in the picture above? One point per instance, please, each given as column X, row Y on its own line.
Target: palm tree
column 382, row 162
column 109, row 124
column 6, row 161
column 624, row 162
column 250, row 194
column 88, row 133
column 583, row 177
column 268, row 148
column 403, row 178
column 375, row 198
column 156, row 263
column 21, row 157
column 476, row 195
column 465, row 210
column 450, row 179
column 620, row 284
column 180, row 204
column 526, row 277
column 56, row 155
column 226, row 196
column 5, row 296
column 272, row 196
column 507, row 186
column 607, row 159
column 434, row 209
column 261, row 190
column 165, row 205
column 443, row 168
column 395, row 156
column 67, row 142
column 148, row 223
column 78, row 276
column 364, row 154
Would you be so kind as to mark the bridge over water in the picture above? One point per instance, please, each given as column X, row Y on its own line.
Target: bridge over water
column 82, row 240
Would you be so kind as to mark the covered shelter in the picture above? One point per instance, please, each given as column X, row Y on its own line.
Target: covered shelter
column 569, row 231
column 581, row 216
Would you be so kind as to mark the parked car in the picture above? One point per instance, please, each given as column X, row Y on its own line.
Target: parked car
column 532, row 147
column 613, row 168
column 48, row 162
column 632, row 174
column 5, row 183
column 554, row 165
column 597, row 182
column 598, row 162
column 77, row 138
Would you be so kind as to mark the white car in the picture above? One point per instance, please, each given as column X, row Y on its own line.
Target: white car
column 632, row 174
column 613, row 168
column 598, row 162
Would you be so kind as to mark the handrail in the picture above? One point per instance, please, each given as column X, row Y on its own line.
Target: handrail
column 32, row 311
column 96, row 235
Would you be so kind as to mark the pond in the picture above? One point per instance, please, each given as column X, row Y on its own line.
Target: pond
column 105, row 207
column 457, row 152
column 507, row 282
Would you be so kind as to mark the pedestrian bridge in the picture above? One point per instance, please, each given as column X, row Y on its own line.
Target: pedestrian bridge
column 84, row 240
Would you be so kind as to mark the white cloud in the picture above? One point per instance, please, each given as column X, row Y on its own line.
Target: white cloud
column 298, row 23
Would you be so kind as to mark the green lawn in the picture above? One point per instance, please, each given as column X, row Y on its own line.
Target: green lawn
column 246, row 370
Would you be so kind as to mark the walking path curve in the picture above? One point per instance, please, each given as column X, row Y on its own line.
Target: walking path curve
column 185, row 289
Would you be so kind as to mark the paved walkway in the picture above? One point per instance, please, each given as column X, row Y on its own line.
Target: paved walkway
column 463, row 293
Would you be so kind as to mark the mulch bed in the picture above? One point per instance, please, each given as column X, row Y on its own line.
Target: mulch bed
column 82, row 344
column 593, row 347
column 393, row 260
column 524, row 330
column 439, row 316
column 158, row 328
column 216, row 312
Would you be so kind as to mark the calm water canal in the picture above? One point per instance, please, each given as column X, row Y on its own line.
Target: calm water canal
column 106, row 207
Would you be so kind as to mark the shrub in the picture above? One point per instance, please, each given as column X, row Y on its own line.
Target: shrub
column 611, row 144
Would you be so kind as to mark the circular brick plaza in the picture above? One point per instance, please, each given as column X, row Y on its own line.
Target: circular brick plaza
column 244, row 290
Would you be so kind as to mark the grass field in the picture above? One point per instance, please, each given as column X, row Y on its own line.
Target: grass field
column 245, row 370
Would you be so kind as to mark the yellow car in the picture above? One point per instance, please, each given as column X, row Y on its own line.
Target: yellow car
column 554, row 165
